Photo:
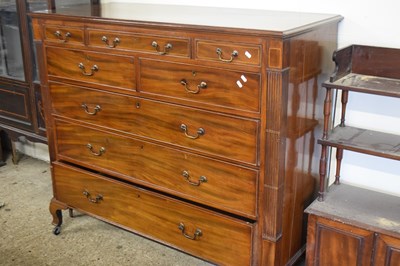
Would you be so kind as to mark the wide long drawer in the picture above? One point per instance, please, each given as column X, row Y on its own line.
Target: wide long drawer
column 155, row 44
column 201, row 232
column 224, row 136
column 116, row 72
column 202, row 86
column 214, row 183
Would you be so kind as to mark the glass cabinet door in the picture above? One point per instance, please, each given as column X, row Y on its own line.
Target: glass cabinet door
column 11, row 59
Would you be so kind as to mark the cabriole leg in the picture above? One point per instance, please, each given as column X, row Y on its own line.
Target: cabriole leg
column 56, row 208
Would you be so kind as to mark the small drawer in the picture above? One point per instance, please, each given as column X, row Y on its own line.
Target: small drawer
column 61, row 34
column 202, row 86
column 91, row 68
column 229, row 53
column 186, row 227
column 207, row 132
column 161, row 45
column 210, row 182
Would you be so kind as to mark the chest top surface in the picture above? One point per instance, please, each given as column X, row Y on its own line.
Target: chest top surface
column 279, row 22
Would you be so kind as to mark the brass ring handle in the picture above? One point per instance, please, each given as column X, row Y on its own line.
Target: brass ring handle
column 101, row 151
column 196, row 235
column 60, row 36
column 96, row 109
column 200, row 132
column 186, row 175
column 91, row 199
column 202, row 85
column 167, row 47
column 94, row 68
column 233, row 55
column 114, row 44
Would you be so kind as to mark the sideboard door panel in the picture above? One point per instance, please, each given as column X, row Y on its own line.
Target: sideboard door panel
column 387, row 251
column 338, row 244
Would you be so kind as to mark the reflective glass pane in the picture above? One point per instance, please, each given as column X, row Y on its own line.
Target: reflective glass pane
column 35, row 5
column 11, row 61
column 62, row 3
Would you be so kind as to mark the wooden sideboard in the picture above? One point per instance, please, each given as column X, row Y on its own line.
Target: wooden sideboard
column 354, row 226
column 191, row 126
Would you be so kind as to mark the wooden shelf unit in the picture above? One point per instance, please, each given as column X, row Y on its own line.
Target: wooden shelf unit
column 351, row 225
column 364, row 69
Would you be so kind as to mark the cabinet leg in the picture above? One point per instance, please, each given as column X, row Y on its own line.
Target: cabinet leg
column 2, row 162
column 15, row 154
column 56, row 208
column 339, row 157
column 322, row 172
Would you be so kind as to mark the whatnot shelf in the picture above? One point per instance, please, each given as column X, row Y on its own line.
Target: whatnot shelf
column 361, row 69
column 367, row 84
column 363, row 226
column 364, row 141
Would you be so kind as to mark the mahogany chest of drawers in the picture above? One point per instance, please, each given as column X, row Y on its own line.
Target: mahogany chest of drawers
column 191, row 126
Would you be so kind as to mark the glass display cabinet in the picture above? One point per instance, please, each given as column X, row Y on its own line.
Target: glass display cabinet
column 20, row 98
column 21, row 112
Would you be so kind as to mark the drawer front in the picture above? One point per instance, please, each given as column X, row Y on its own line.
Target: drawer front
column 201, row 85
column 156, row 216
column 229, row 53
column 61, row 34
column 143, row 43
column 92, row 68
column 223, row 136
column 197, row 178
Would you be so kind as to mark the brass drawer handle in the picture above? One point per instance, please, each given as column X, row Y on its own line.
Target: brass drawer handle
column 167, row 47
column 202, row 85
column 96, row 109
column 114, row 44
column 186, row 175
column 233, row 55
column 196, row 235
column 101, row 151
column 62, row 38
column 200, row 132
column 90, row 198
column 94, row 68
